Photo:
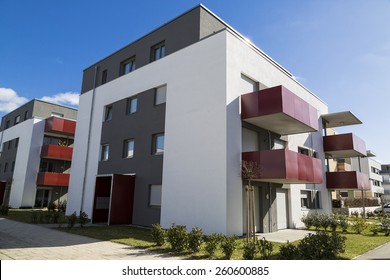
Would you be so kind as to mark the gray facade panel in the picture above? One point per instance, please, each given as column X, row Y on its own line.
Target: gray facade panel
column 21, row 111
column 140, row 126
column 8, row 156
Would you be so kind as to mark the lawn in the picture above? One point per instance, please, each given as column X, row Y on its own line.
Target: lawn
column 356, row 244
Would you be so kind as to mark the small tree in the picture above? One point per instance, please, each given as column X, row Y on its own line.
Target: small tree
column 158, row 234
column 228, row 245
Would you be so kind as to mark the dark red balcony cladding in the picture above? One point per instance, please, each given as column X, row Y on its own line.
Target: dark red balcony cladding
column 279, row 110
column 61, row 126
column 53, row 179
column 56, row 152
column 350, row 180
column 344, row 146
column 286, row 167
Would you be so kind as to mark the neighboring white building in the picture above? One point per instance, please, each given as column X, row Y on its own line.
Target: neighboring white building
column 385, row 172
column 165, row 123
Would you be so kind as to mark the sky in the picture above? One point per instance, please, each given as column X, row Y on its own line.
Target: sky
column 339, row 49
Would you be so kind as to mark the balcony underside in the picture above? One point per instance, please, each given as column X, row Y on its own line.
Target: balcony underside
column 347, row 180
column 285, row 167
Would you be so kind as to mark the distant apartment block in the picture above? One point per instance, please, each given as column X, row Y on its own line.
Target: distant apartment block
column 36, row 152
column 165, row 123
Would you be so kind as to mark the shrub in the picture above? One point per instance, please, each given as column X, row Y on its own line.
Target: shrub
column 4, row 210
column 34, row 217
column 358, row 225
column 250, row 250
column 212, row 242
column 288, row 252
column 61, row 206
column 158, row 234
column 385, row 225
column 52, row 206
column 342, row 222
column 265, row 248
column 56, row 217
column 47, row 217
column 195, row 239
column 374, row 229
column 307, row 220
column 324, row 220
column 321, row 246
column 354, row 214
column 83, row 219
column 72, row 219
column 178, row 237
column 228, row 245
column 333, row 221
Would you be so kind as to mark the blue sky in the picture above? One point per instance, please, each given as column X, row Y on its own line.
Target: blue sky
column 339, row 49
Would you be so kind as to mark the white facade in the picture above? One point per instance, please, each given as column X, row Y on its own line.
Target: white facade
column 202, row 184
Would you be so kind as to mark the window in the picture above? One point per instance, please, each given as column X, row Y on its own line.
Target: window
column 1, row 167
column 7, row 124
column 105, row 152
column 158, row 51
column 6, row 167
column 54, row 114
column 310, row 199
column 158, row 144
column 160, row 95
column 12, row 166
column 9, row 144
column 17, row 119
column 104, row 77
column 344, row 194
column 155, row 195
column 26, row 115
column 128, row 148
column 303, row 151
column 131, row 106
column 108, row 113
column 127, row 66
column 16, row 142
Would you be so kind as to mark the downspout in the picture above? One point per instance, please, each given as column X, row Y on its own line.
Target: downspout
column 363, row 203
column 89, row 140
column 269, row 190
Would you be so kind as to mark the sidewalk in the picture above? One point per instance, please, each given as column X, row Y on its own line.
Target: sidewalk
column 22, row 241
column 380, row 253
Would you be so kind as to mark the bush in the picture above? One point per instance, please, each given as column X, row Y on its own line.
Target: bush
column 83, row 219
column 333, row 221
column 47, row 217
column 374, row 229
column 72, row 219
column 158, row 234
column 288, row 252
column 56, row 217
column 354, row 214
column 4, row 210
column 307, row 220
column 195, row 239
column 228, row 245
column 61, row 206
column 324, row 220
column 178, row 237
column 385, row 225
column 250, row 250
column 358, row 225
column 52, row 206
column 34, row 217
column 265, row 248
column 321, row 246
column 342, row 222
column 212, row 242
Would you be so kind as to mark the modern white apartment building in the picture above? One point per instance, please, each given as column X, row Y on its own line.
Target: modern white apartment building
column 165, row 123
column 36, row 146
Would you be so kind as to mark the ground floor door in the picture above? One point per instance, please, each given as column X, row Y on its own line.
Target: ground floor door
column 281, row 209
column 42, row 198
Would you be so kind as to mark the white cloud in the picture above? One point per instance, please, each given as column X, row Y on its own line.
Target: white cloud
column 10, row 100
column 66, row 98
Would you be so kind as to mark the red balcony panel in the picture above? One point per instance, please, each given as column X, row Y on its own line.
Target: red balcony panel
column 279, row 110
column 59, row 125
column 56, row 152
column 286, row 167
column 53, row 179
column 351, row 180
column 344, row 146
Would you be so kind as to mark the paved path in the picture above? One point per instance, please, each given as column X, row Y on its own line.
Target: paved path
column 380, row 253
column 22, row 241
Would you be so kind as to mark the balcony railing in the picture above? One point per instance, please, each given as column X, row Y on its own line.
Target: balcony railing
column 344, row 146
column 60, row 126
column 279, row 110
column 351, row 180
column 284, row 166
column 53, row 179
column 56, row 152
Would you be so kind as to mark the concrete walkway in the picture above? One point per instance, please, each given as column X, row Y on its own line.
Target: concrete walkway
column 22, row 241
column 282, row 236
column 380, row 253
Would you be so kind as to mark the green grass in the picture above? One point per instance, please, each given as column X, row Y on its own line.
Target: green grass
column 26, row 216
column 356, row 244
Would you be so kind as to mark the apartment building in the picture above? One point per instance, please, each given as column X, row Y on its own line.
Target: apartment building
column 165, row 123
column 385, row 172
column 35, row 155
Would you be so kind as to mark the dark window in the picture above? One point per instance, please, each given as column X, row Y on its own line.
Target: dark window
column 104, row 76
column 131, row 106
column 158, row 51
column 16, row 142
column 128, row 148
column 17, row 119
column 12, row 166
column 26, row 115
column 310, row 199
column 108, row 113
column 9, row 144
column 303, row 151
column 7, row 124
column 6, row 167
column 105, row 152
column 158, row 144
column 127, row 66
column 1, row 167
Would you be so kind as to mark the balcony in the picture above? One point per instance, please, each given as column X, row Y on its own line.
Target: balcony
column 56, row 152
column 53, row 179
column 344, row 146
column 60, row 126
column 279, row 110
column 286, row 167
column 350, row 180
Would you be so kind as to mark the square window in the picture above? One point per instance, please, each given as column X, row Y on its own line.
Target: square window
column 155, row 195
column 160, row 95
column 128, row 148
column 158, row 51
column 17, row 119
column 108, row 113
column 127, row 66
column 310, row 199
column 26, row 115
column 7, row 124
column 131, row 106
column 105, row 152
column 158, row 144
column 104, row 76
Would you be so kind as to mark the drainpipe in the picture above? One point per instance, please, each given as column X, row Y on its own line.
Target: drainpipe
column 269, row 190
column 363, row 204
column 89, row 140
